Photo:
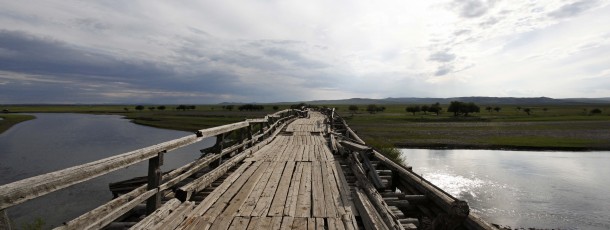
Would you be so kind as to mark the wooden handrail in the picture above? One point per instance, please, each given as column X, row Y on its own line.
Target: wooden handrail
column 20, row 191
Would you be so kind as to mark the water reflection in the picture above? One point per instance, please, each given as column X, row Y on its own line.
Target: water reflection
column 57, row 141
column 564, row 190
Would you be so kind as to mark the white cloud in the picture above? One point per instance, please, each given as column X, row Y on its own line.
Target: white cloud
column 293, row 50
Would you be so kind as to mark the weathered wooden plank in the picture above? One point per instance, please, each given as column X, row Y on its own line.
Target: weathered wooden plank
column 370, row 217
column 331, row 224
column 331, row 202
column 318, row 201
column 370, row 169
column 304, row 197
column 299, row 223
column 344, row 189
column 287, row 222
column 176, row 217
column 223, row 215
column 276, row 222
column 117, row 212
column 239, row 223
column 194, row 219
column 254, row 223
column 320, row 223
column 375, row 198
column 293, row 192
column 156, row 217
column 184, row 192
column 264, row 202
column 311, row 223
column 250, row 203
column 281, row 195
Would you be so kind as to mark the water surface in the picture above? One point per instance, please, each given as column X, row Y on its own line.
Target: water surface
column 566, row 190
column 56, row 141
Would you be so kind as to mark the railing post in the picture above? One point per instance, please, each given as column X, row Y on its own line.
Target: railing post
column 242, row 137
column 154, row 180
column 250, row 136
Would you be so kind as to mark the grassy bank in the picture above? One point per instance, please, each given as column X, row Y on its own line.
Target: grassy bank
column 546, row 128
column 8, row 120
column 563, row 127
column 203, row 116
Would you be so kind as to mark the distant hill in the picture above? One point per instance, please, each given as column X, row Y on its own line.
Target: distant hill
column 477, row 100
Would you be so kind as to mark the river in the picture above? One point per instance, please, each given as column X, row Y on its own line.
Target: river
column 56, row 141
column 559, row 190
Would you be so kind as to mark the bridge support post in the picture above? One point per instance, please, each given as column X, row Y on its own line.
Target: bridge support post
column 154, row 180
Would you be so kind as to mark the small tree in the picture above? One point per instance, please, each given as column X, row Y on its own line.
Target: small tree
column 413, row 109
column 352, row 109
column 545, row 109
column 459, row 108
column 488, row 108
column 140, row 107
column 497, row 109
column 425, row 109
column 596, row 111
column 151, row 108
column 435, row 108
column 161, row 107
column 371, row 108
column 527, row 110
column 275, row 107
column 519, row 108
column 126, row 109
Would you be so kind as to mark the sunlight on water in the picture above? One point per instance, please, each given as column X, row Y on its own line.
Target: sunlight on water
column 559, row 190
column 457, row 186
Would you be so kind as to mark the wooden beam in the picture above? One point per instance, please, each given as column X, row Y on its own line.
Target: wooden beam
column 377, row 200
column 26, row 189
column 448, row 203
column 222, row 129
column 370, row 217
column 370, row 169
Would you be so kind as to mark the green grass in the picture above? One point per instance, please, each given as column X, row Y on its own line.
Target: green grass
column 204, row 116
column 8, row 120
column 560, row 126
column 542, row 142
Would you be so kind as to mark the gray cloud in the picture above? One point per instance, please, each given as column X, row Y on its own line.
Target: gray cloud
column 472, row 8
column 27, row 53
column 442, row 56
column 443, row 70
column 573, row 9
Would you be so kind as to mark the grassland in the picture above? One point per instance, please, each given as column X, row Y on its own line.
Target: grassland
column 8, row 120
column 565, row 127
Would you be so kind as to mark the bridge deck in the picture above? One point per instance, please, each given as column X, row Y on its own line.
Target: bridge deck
column 294, row 182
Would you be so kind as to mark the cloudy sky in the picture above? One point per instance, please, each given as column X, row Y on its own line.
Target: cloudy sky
column 62, row 51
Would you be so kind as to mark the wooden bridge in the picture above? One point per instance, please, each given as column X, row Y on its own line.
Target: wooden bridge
column 295, row 169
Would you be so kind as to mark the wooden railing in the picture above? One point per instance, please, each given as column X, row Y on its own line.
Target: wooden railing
column 251, row 135
column 344, row 139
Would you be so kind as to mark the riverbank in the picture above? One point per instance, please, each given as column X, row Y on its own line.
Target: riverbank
column 556, row 128
column 9, row 120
